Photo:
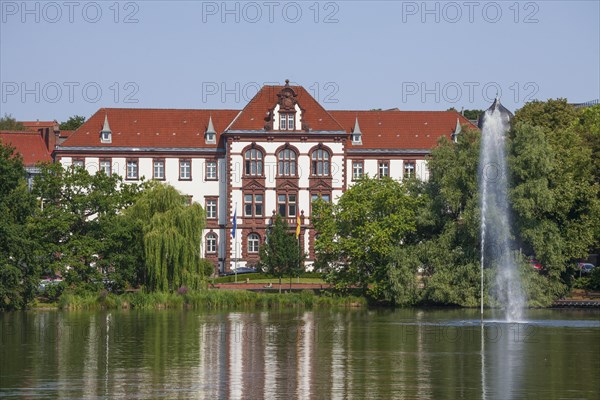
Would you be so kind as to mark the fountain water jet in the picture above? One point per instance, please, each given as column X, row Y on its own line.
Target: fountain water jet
column 495, row 215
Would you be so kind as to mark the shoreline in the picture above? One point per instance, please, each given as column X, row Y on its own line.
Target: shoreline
column 252, row 296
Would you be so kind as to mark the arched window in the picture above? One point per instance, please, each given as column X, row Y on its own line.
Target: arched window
column 211, row 243
column 253, row 242
column 254, row 162
column 286, row 162
column 320, row 162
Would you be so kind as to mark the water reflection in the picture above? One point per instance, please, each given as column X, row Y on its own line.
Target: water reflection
column 298, row 354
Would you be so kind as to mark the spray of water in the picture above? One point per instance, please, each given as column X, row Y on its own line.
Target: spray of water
column 495, row 216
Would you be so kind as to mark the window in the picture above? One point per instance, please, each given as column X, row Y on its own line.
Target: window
column 356, row 138
column 211, row 170
column 384, row 169
column 286, row 205
column 357, row 170
column 211, row 208
column 320, row 162
column 253, row 205
column 253, row 243
column 158, row 169
column 253, row 162
column 325, row 197
column 105, row 167
column 286, row 122
column 106, row 137
column 287, row 163
column 185, row 170
column 78, row 163
column 211, row 243
column 211, row 137
column 132, row 169
column 409, row 169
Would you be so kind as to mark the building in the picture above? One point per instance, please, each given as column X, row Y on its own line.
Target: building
column 32, row 148
column 276, row 155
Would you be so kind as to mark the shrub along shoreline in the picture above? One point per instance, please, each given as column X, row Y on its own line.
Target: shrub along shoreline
column 205, row 299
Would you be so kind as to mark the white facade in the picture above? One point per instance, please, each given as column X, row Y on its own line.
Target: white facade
column 283, row 124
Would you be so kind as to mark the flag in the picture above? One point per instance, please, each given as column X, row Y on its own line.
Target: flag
column 297, row 226
column 234, row 221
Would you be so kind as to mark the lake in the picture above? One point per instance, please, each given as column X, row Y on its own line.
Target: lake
column 287, row 354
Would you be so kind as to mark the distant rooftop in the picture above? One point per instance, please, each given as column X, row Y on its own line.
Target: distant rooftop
column 586, row 104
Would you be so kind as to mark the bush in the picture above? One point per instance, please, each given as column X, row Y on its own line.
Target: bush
column 594, row 279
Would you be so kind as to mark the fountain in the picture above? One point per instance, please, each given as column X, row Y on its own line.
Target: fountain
column 495, row 215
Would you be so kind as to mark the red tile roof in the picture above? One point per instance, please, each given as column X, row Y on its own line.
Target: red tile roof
column 253, row 115
column 39, row 124
column 66, row 133
column 29, row 144
column 400, row 129
column 176, row 128
column 142, row 127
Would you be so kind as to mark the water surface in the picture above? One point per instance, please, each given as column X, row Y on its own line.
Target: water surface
column 347, row 354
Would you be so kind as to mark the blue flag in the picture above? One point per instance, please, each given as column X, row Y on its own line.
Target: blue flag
column 234, row 223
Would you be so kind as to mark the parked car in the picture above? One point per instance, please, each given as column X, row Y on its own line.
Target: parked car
column 535, row 264
column 585, row 268
column 48, row 282
column 240, row 270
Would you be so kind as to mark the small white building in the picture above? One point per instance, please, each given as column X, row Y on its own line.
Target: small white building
column 275, row 156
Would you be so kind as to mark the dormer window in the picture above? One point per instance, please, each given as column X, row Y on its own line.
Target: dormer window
column 286, row 121
column 356, row 133
column 106, row 133
column 210, row 136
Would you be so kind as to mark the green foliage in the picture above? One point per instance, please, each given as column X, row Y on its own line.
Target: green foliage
column 550, row 115
column 554, row 194
column 447, row 241
column 594, row 283
column 206, row 299
column 172, row 234
column 8, row 123
column 69, row 224
column 472, row 114
column 72, row 123
column 357, row 236
column 19, row 271
column 280, row 254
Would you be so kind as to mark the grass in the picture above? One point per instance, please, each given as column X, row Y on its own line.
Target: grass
column 206, row 299
column 275, row 281
column 310, row 277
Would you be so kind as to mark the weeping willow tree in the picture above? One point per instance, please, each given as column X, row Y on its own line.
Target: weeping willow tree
column 172, row 234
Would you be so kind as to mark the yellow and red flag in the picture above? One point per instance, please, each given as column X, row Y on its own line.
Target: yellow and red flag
column 297, row 226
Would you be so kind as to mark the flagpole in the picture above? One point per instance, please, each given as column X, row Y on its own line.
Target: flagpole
column 235, row 243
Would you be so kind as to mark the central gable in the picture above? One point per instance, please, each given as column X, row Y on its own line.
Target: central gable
column 263, row 112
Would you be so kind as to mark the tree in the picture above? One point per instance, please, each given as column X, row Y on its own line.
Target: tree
column 447, row 240
column 357, row 236
column 72, row 123
column 172, row 235
column 8, row 123
column 19, row 272
column 281, row 254
column 549, row 115
column 554, row 195
column 70, row 220
column 588, row 126
column 472, row 114
column 468, row 114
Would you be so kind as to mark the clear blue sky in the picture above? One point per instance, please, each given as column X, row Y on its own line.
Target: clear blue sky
column 54, row 57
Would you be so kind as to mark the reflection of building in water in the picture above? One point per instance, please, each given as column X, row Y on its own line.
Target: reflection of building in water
column 305, row 349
